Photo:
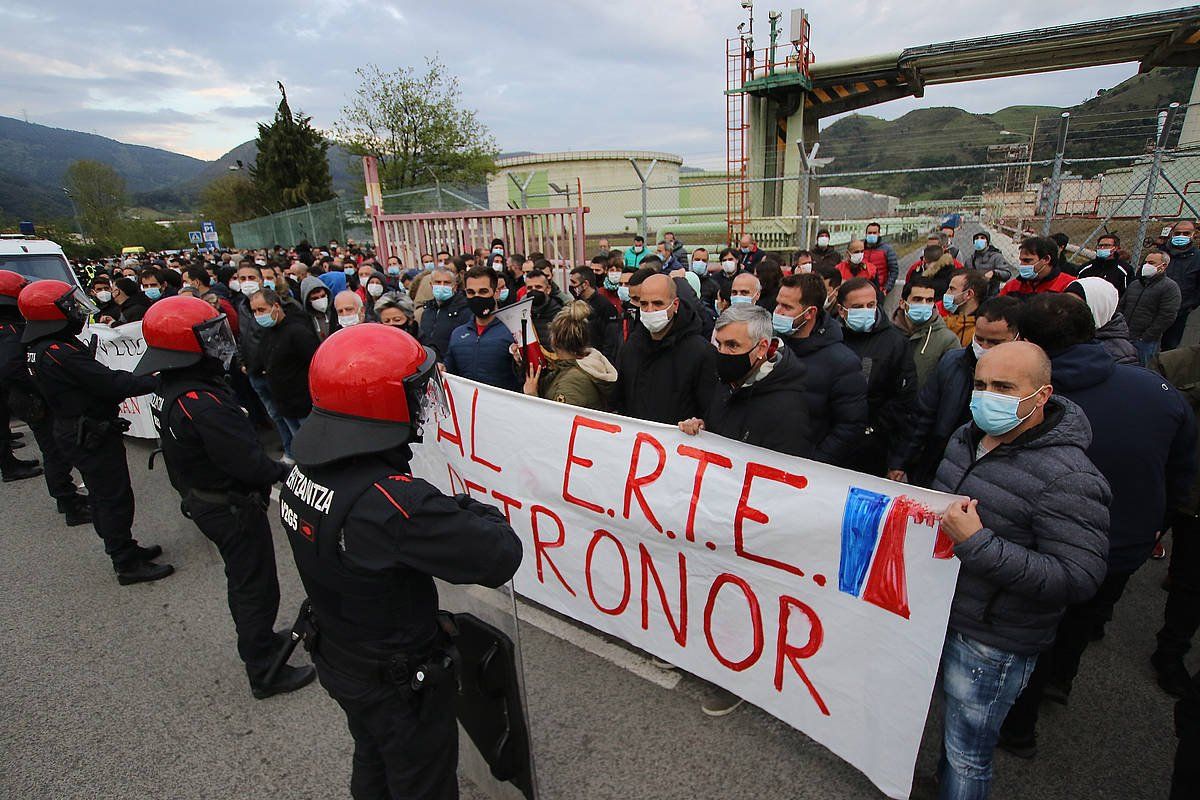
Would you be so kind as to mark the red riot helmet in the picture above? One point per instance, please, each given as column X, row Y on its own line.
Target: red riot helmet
column 371, row 388
column 51, row 306
column 179, row 331
column 11, row 285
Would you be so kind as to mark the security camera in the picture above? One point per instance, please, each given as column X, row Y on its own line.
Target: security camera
column 774, row 15
column 747, row 4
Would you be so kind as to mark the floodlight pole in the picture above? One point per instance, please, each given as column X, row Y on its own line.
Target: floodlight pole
column 645, row 179
column 1160, row 146
column 1056, row 175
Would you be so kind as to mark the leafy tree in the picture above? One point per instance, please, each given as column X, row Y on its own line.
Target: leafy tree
column 228, row 199
column 415, row 125
column 99, row 194
column 292, row 167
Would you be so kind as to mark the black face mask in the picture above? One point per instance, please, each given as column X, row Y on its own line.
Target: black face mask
column 539, row 298
column 733, row 367
column 481, row 306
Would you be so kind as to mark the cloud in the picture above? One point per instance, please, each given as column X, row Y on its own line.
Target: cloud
column 567, row 74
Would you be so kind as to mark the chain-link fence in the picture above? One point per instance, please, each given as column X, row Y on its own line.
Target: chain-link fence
column 1130, row 173
column 346, row 218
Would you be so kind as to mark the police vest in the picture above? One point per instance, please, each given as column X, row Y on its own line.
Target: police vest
column 351, row 606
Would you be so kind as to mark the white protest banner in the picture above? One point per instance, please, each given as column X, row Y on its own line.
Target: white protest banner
column 121, row 348
column 818, row 594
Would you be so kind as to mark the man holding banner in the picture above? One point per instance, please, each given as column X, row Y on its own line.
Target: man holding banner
column 1032, row 539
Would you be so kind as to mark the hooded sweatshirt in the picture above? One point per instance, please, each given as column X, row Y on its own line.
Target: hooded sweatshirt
column 321, row 319
column 1111, row 329
column 586, row 382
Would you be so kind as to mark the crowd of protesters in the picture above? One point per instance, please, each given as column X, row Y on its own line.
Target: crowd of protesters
column 1055, row 397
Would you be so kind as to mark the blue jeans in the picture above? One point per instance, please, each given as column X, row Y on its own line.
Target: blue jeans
column 263, row 390
column 979, row 684
column 1146, row 351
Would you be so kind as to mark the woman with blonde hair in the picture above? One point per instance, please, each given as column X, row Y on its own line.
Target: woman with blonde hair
column 575, row 373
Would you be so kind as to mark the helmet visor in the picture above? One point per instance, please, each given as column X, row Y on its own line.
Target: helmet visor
column 76, row 305
column 426, row 393
column 216, row 339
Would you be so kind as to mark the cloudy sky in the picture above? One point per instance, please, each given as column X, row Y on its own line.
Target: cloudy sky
column 548, row 75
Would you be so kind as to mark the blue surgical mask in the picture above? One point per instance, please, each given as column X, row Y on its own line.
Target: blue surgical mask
column 393, row 270
column 427, row 264
column 782, row 324
column 1026, row 271
column 612, row 281
column 920, row 313
column 949, row 302
column 872, row 238
column 981, row 244
column 996, row 414
column 744, row 249
column 268, row 283
column 1181, row 241
column 265, row 320
column 700, row 268
column 860, row 319
column 1104, row 254
column 623, row 293
column 153, row 293
column 442, row 293
column 502, row 295
column 348, row 270
column 739, row 299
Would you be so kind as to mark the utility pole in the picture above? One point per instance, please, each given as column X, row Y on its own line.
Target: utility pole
column 74, row 212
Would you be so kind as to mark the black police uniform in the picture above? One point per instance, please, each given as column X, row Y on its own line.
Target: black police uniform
column 217, row 465
column 28, row 404
column 368, row 538
column 84, row 397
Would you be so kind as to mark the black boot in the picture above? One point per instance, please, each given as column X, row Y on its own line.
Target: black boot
column 16, row 469
column 76, row 509
column 1173, row 676
column 149, row 553
column 288, row 679
column 138, row 571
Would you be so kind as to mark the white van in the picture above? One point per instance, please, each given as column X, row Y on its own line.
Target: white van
column 36, row 259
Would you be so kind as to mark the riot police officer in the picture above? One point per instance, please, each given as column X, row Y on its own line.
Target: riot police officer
column 29, row 405
column 368, row 539
column 84, row 398
column 215, row 462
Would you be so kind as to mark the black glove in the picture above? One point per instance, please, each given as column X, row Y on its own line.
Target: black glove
column 468, row 503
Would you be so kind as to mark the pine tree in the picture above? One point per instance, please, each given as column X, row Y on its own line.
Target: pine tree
column 292, row 167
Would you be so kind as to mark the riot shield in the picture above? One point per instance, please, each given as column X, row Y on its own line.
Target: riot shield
column 493, row 720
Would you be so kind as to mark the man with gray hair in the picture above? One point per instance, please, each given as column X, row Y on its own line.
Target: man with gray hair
column 445, row 312
column 348, row 307
column 760, row 400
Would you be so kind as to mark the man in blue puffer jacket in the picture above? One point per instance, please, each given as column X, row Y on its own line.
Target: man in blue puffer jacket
column 481, row 349
column 1144, row 443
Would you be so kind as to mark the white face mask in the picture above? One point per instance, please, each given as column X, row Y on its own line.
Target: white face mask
column 822, row 241
column 374, row 289
column 977, row 349
column 348, row 321
column 321, row 304
column 804, row 268
column 729, row 267
column 235, row 285
column 1149, row 270
column 856, row 258
column 655, row 321
column 103, row 297
column 249, row 288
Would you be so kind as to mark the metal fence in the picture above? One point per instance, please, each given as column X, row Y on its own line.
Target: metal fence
column 346, row 218
column 1131, row 173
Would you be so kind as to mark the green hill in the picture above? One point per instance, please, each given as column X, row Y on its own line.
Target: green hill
column 1118, row 121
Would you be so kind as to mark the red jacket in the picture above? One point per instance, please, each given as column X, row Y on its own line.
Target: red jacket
column 1056, row 281
column 865, row 270
column 877, row 257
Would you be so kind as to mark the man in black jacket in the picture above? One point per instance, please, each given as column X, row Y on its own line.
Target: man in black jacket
column 943, row 404
column 1184, row 269
column 888, row 366
column 215, row 462
column 1149, row 460
column 1108, row 264
column 835, row 389
column 761, row 398
column 605, row 322
column 130, row 301
column 665, row 370
column 84, row 399
column 546, row 303
column 286, row 350
column 445, row 312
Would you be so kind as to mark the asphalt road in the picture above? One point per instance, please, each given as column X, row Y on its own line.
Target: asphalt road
column 135, row 692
